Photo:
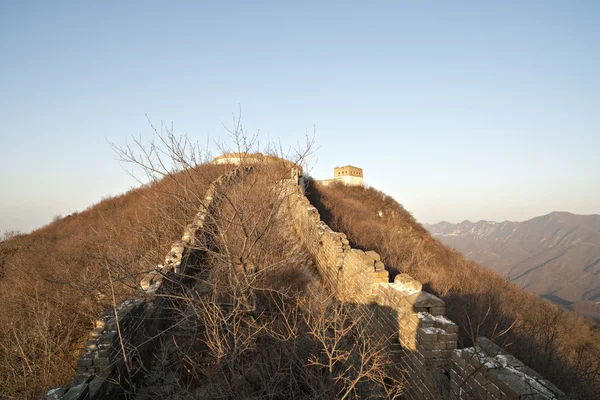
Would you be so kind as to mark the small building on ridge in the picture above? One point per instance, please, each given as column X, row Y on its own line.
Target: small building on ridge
column 348, row 175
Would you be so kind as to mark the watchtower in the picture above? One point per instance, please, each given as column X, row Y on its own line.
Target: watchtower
column 349, row 175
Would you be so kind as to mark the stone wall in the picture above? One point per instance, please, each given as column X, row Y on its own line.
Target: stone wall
column 485, row 371
column 351, row 273
column 123, row 339
column 423, row 337
column 422, row 340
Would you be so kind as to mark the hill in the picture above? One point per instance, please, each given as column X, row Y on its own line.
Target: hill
column 552, row 341
column 556, row 256
column 254, row 298
column 53, row 280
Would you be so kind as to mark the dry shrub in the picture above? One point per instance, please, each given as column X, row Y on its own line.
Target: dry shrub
column 250, row 322
column 257, row 324
column 557, row 343
column 53, row 282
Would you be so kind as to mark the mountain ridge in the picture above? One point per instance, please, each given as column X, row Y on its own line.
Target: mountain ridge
column 556, row 255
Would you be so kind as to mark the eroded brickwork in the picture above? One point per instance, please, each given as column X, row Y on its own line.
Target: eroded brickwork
column 485, row 371
column 422, row 340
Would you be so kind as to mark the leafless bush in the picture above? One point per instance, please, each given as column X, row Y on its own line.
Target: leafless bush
column 255, row 323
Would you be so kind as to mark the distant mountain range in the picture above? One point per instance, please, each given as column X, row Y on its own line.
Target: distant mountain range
column 556, row 256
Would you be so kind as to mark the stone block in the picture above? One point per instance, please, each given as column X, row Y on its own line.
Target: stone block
column 78, row 392
column 148, row 279
column 85, row 360
column 432, row 345
column 448, row 337
column 379, row 266
column 437, row 311
column 382, row 274
column 407, row 283
column 451, row 328
column 424, row 300
column 425, row 320
column 101, row 361
column 451, row 345
column 82, row 369
column 92, row 345
column 427, row 335
column 105, row 350
column 374, row 255
column 96, row 332
column 108, row 337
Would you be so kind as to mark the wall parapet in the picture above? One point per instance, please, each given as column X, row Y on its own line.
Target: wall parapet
column 487, row 371
column 422, row 340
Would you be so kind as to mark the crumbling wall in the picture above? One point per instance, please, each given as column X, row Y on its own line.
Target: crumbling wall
column 123, row 339
column 422, row 340
column 413, row 322
column 351, row 273
column 485, row 371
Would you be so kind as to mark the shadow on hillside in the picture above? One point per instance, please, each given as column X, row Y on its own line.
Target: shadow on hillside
column 277, row 365
column 283, row 369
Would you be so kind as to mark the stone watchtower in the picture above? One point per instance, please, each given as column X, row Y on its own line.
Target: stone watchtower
column 349, row 175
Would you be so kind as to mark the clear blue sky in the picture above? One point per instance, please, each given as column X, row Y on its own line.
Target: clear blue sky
column 460, row 110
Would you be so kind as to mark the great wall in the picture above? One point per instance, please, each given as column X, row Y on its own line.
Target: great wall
column 422, row 340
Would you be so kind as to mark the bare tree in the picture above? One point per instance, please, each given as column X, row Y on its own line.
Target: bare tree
column 252, row 321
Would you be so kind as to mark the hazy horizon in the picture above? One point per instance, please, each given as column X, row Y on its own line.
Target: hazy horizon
column 462, row 111
column 506, row 220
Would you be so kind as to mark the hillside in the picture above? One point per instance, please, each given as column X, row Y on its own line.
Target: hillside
column 558, row 344
column 556, row 256
column 257, row 312
column 55, row 279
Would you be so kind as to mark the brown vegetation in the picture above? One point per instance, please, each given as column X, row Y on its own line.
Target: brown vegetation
column 53, row 282
column 250, row 318
column 256, row 323
column 560, row 345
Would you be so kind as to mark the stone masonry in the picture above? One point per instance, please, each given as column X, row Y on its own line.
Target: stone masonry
column 423, row 341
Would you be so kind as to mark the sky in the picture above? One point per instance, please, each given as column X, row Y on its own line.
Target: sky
column 459, row 110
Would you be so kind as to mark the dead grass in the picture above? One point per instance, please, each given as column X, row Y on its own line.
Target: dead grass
column 559, row 344
column 53, row 281
column 257, row 324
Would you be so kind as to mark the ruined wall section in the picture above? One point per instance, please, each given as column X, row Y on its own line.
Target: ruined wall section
column 122, row 342
column 486, row 371
column 352, row 274
column 412, row 321
column 422, row 340
column 423, row 337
